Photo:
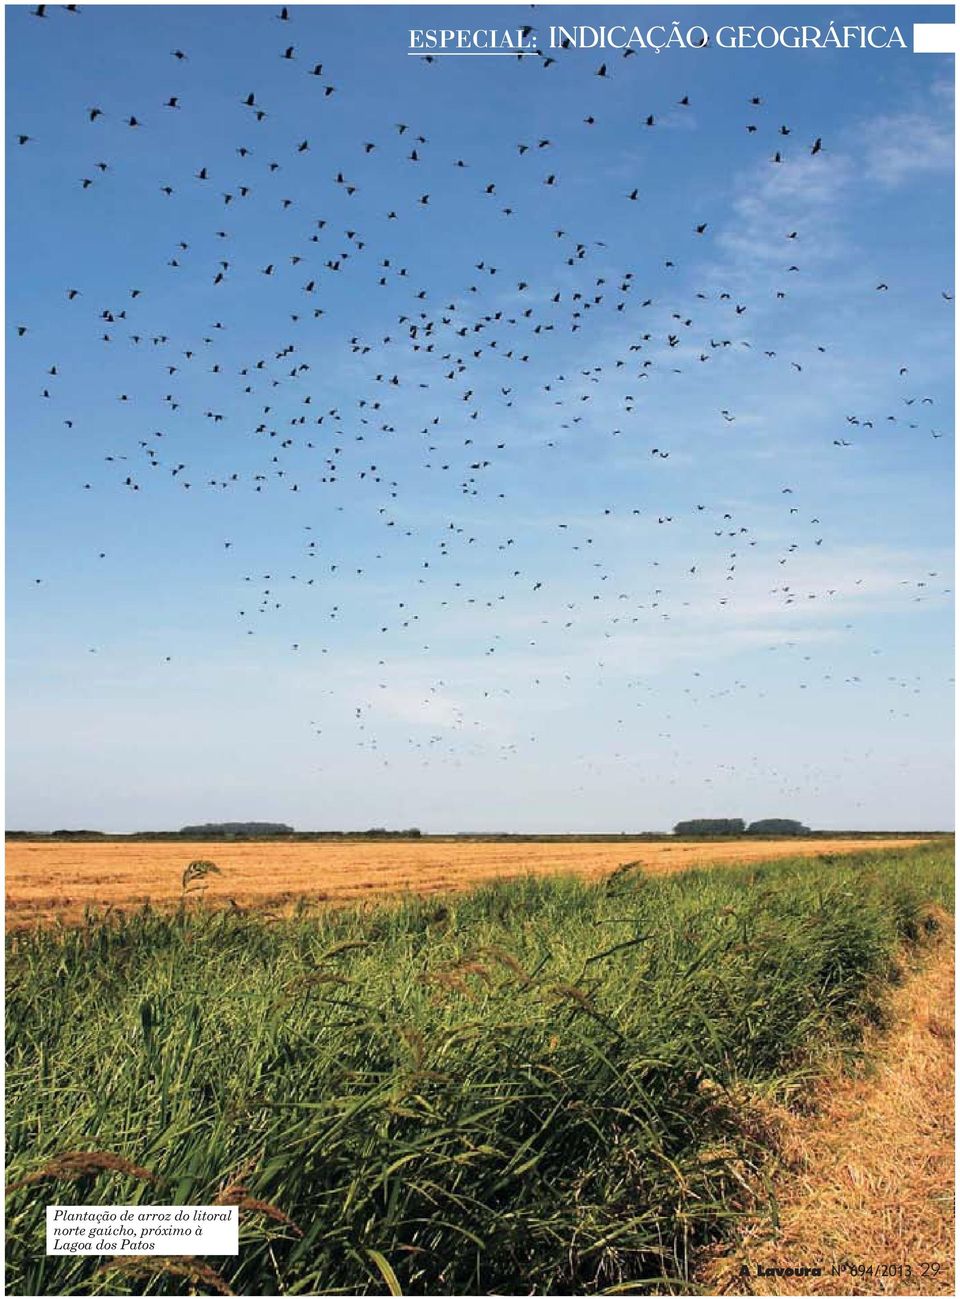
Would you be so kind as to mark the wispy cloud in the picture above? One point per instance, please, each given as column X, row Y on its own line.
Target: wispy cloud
column 902, row 146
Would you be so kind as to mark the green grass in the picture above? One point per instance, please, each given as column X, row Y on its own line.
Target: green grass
column 539, row 1086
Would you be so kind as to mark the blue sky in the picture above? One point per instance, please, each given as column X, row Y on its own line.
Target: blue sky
column 563, row 574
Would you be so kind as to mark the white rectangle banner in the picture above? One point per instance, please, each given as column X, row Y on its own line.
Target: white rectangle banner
column 142, row 1229
column 934, row 38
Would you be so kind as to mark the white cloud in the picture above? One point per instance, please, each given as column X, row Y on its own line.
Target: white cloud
column 902, row 146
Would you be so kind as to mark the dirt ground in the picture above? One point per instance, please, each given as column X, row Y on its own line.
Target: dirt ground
column 45, row 881
column 867, row 1196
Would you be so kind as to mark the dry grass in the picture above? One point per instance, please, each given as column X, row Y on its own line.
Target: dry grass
column 869, row 1178
column 46, row 881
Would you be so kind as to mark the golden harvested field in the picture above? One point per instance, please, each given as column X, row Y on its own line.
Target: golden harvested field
column 46, row 881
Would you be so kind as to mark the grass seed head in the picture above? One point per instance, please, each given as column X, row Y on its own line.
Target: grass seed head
column 72, row 1165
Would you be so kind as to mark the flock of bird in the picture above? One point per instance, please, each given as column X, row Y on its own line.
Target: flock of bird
column 420, row 507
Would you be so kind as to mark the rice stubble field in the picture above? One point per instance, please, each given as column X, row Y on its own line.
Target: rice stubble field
column 58, row 880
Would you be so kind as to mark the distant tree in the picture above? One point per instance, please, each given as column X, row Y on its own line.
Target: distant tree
column 381, row 832
column 711, row 826
column 236, row 829
column 778, row 825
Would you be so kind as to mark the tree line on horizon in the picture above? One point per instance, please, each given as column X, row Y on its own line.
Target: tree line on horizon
column 223, row 830
column 219, row 830
column 735, row 825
